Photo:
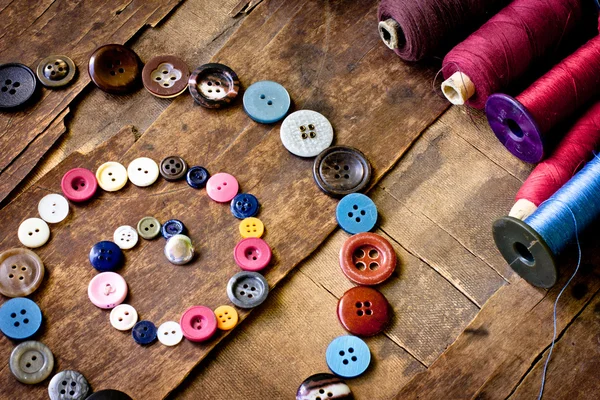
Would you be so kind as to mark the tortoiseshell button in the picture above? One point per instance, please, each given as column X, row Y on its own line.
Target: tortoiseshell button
column 56, row 71
column 17, row 85
column 214, row 85
column 173, row 168
column 324, row 387
column 363, row 311
column 341, row 170
column 367, row 259
column 165, row 76
column 114, row 68
column 21, row 272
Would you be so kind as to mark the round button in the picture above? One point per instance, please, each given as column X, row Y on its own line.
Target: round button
column 114, row 68
column 56, row 71
column 142, row 171
column 251, row 227
column 21, row 272
column 356, row 213
column 197, row 176
column 214, row 85
column 222, row 187
column 306, row 133
column 17, row 85
column 348, row 356
column 171, row 228
column 323, row 386
column 173, row 168
column 367, row 259
column 252, row 254
column 123, row 317
column 79, row 184
column 227, row 317
column 33, row 232
column 53, row 208
column 106, row 256
column 169, row 333
column 244, row 205
column 266, row 102
column 341, row 170
column 20, row 318
column 107, row 290
column 68, row 385
column 31, row 362
column 247, row 289
column 165, row 76
column 363, row 311
column 111, row 176
column 148, row 228
column 179, row 249
column 109, row 394
column 125, row 237
column 144, row 332
column 198, row 323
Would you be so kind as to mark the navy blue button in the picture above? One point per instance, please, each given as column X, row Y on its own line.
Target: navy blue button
column 266, row 102
column 171, row 228
column 244, row 205
column 106, row 256
column 348, row 356
column 144, row 332
column 356, row 213
column 20, row 318
column 196, row 177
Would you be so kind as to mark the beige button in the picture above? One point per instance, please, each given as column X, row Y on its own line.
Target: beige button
column 21, row 272
column 33, row 232
column 111, row 176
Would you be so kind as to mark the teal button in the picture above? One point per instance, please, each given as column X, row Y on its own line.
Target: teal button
column 266, row 102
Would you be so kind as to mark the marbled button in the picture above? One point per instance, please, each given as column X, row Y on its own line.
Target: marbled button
column 222, row 187
column 144, row 332
column 111, row 176
column 68, row 385
column 197, row 177
column 252, row 254
column 244, row 205
column 17, row 86
column 173, row 168
column 123, row 317
column 179, row 249
column 114, row 68
column 247, row 289
column 20, row 318
column 21, row 272
column 341, row 170
column 53, row 208
column 198, row 323
column 306, row 133
column 56, row 71
column 79, row 184
column 214, row 85
column 367, row 259
column 169, row 333
column 324, row 387
column 348, row 356
column 356, row 213
column 363, row 311
column 106, row 256
column 109, row 394
column 33, row 232
column 142, row 171
column 165, row 76
column 227, row 317
column 125, row 237
column 107, row 290
column 251, row 227
column 171, row 228
column 148, row 228
column 31, row 362
column 266, row 102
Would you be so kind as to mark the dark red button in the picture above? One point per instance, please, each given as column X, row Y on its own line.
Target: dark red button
column 165, row 76
column 79, row 184
column 114, row 68
column 214, row 85
column 363, row 311
column 367, row 259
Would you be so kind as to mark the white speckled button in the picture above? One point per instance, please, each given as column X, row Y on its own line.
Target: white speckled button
column 169, row 333
column 33, row 232
column 111, row 176
column 143, row 171
column 125, row 237
column 306, row 133
column 53, row 208
column 123, row 317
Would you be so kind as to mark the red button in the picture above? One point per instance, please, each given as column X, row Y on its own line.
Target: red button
column 198, row 323
column 367, row 259
column 363, row 311
column 252, row 254
column 79, row 184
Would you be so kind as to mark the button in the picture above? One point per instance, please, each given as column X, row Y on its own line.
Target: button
column 198, row 323
column 247, row 289
column 171, row 228
column 31, row 362
column 197, row 176
column 111, row 176
column 114, row 68
column 53, row 208
column 123, row 317
column 109, row 394
column 165, row 76
column 367, row 259
column 125, row 237
column 252, row 254
column 79, row 184
column 363, row 311
column 173, row 168
column 148, row 228
column 107, row 290
column 244, row 205
column 227, row 317
column 169, row 333
column 214, row 85
column 20, row 318
column 222, row 187
column 356, row 213
column 179, row 249
column 68, row 385
column 33, row 232
column 56, row 71
column 144, row 332
column 21, row 272
column 306, row 133
column 251, row 227
column 348, row 356
column 324, row 387
column 142, row 171
column 17, row 85
column 341, row 170
column 106, row 256
column 266, row 102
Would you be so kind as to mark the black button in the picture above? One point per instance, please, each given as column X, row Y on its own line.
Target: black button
column 173, row 168
column 17, row 85
column 341, row 170
column 109, row 394
column 214, row 85
column 56, row 71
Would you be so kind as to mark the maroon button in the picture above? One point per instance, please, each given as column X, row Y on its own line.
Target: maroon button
column 165, row 76
column 214, row 85
column 363, row 311
column 114, row 68
column 367, row 259
column 79, row 184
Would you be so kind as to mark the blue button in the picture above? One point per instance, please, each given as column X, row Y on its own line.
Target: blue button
column 196, row 177
column 171, row 228
column 144, row 332
column 356, row 213
column 348, row 356
column 266, row 102
column 244, row 205
column 20, row 318
column 106, row 256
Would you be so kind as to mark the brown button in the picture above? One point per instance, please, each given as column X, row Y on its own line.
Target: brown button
column 21, row 272
column 56, row 71
column 363, row 311
column 341, row 170
column 214, row 85
column 114, row 68
column 367, row 259
column 165, row 76
column 173, row 168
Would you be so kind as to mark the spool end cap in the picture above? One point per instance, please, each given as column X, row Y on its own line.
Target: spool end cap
column 388, row 30
column 522, row 209
column 458, row 88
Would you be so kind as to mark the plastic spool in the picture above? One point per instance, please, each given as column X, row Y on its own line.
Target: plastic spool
column 458, row 88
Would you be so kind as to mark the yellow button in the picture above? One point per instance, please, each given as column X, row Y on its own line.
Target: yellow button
column 227, row 317
column 252, row 227
column 111, row 176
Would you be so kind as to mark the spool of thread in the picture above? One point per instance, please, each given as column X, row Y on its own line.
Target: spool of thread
column 522, row 124
column 415, row 29
column 506, row 46
column 574, row 150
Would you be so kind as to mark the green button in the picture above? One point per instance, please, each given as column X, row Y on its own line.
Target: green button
column 148, row 228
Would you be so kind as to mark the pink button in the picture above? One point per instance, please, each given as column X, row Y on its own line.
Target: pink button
column 79, row 184
column 198, row 323
column 222, row 187
column 252, row 254
column 107, row 290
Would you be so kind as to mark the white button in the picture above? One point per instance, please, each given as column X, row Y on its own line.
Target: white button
column 123, row 317
column 53, row 208
column 306, row 133
column 33, row 232
column 111, row 176
column 125, row 237
column 169, row 333
column 143, row 171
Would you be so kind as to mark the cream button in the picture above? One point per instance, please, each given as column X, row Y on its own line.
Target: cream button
column 53, row 208
column 123, row 317
column 111, row 176
column 143, row 171
column 169, row 333
column 33, row 232
column 125, row 237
